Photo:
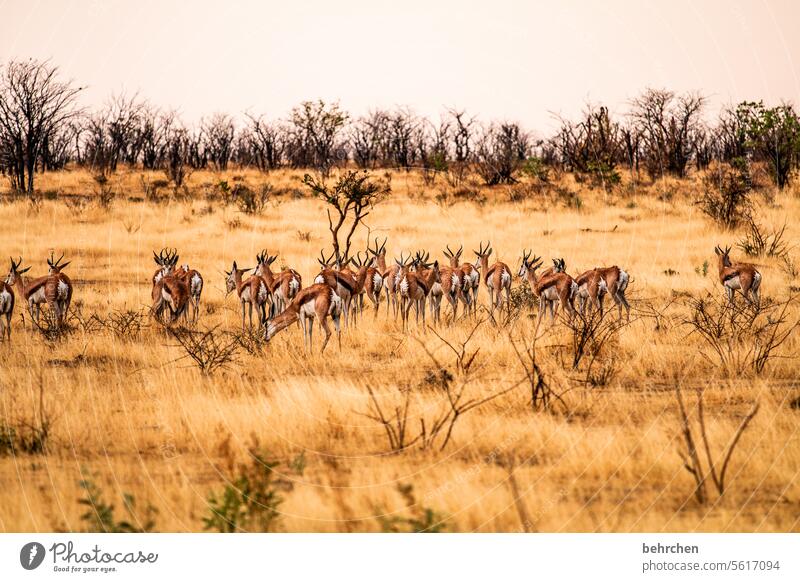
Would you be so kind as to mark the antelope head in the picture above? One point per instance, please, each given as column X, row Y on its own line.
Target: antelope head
column 420, row 260
column 559, row 266
column 379, row 250
column 325, row 262
column 56, row 266
column 529, row 264
column 233, row 277
column 724, row 255
column 15, row 272
column 263, row 262
column 454, row 256
column 483, row 253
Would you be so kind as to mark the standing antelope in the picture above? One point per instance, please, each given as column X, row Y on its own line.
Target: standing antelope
column 591, row 290
column 166, row 260
column 58, row 289
column 252, row 292
column 497, row 278
column 319, row 301
column 362, row 280
column 342, row 282
column 283, row 286
column 31, row 291
column 389, row 277
column 6, row 308
column 194, row 280
column 556, row 287
column 616, row 282
column 374, row 284
column 471, row 278
column 742, row 276
column 454, row 286
column 415, row 287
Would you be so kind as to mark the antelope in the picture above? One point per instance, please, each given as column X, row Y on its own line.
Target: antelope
column 497, row 278
column 340, row 281
column 58, row 288
column 556, row 287
column 454, row 286
column 374, row 284
column 591, row 290
column 742, row 276
column 283, row 286
column 33, row 292
column 389, row 276
column 253, row 291
column 319, row 301
column 6, row 309
column 616, row 282
column 194, row 280
column 470, row 279
column 362, row 279
column 166, row 260
column 415, row 287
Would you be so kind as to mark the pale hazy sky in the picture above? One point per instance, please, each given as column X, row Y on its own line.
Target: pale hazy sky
column 498, row 58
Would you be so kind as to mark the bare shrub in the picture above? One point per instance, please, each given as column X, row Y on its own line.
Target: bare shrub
column 125, row 324
column 726, row 196
column 419, row 519
column 208, row 350
column 740, row 336
column 250, row 201
column 28, row 434
column 758, row 242
column 691, row 456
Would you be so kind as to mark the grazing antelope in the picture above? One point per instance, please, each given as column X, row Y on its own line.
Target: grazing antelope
column 591, row 290
column 283, row 286
column 319, row 301
column 339, row 280
column 742, row 276
column 556, row 287
column 31, row 291
column 374, row 283
column 252, row 292
column 194, row 280
column 58, row 289
column 6, row 309
column 414, row 287
column 497, row 278
column 616, row 282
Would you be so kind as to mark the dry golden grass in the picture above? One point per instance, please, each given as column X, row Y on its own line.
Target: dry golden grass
column 139, row 419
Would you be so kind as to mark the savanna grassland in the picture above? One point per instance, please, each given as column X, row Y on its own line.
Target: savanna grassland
column 133, row 415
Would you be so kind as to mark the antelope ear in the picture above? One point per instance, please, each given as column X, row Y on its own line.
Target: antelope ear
column 64, row 266
column 234, row 267
column 489, row 254
column 23, row 271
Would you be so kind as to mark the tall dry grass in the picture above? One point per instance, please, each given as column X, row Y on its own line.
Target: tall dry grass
column 139, row 418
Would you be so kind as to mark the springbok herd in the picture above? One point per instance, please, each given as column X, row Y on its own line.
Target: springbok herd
column 279, row 298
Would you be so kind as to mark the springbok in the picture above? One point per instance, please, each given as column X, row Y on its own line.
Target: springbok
column 415, row 287
column 453, row 286
column 31, row 291
column 388, row 276
column 58, row 289
column 591, row 290
column 362, row 280
column 194, row 280
column 497, row 278
column 252, row 292
column 319, row 301
column 556, row 287
column 742, row 276
column 6, row 309
column 166, row 260
column 374, row 284
column 616, row 282
column 283, row 286
column 467, row 292
column 342, row 282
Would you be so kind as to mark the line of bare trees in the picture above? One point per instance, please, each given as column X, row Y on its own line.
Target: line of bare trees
column 43, row 128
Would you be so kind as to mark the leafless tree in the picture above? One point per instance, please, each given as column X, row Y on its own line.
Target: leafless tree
column 265, row 143
column 314, row 133
column 368, row 139
column 34, row 103
column 218, row 134
column 668, row 126
column 501, row 149
column 462, row 134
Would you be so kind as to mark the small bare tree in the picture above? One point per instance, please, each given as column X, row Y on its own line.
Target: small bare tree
column 33, row 104
column 349, row 202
